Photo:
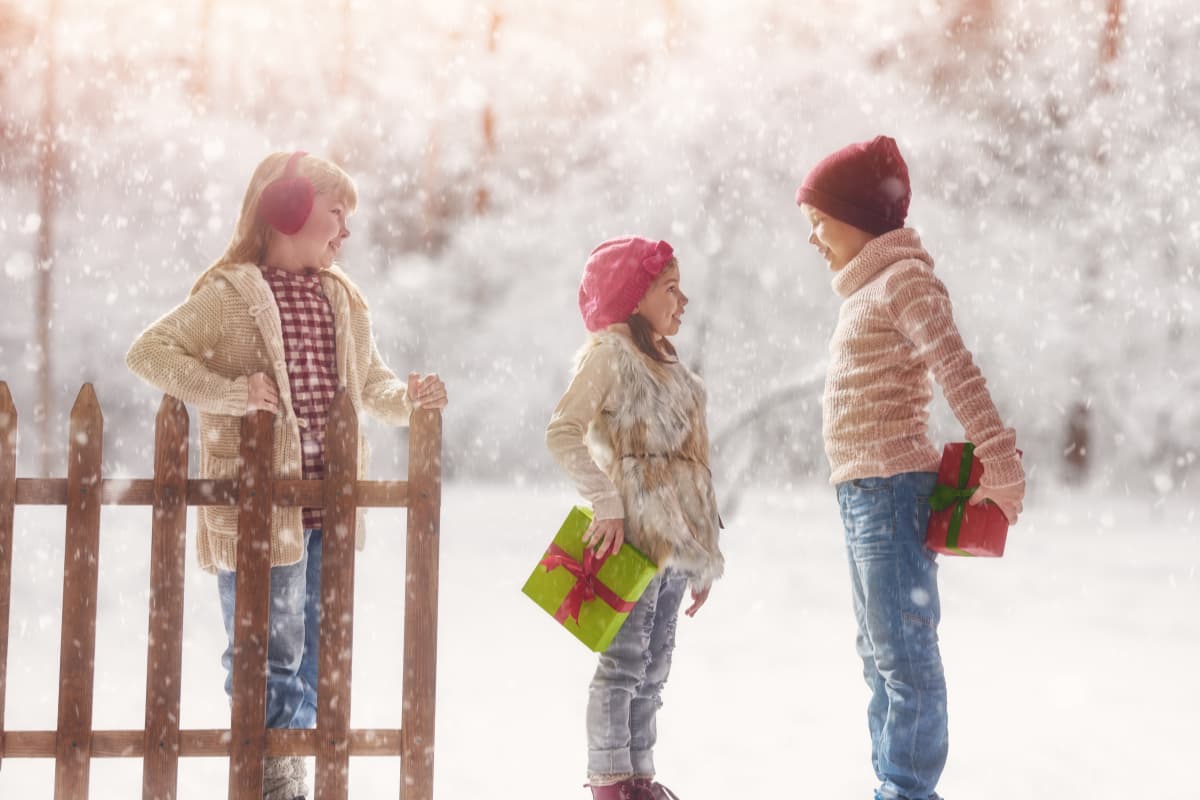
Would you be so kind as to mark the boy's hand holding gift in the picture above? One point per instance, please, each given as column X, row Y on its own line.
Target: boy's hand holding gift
column 427, row 392
column 1008, row 498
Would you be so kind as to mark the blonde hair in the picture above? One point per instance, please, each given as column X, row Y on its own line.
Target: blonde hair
column 252, row 235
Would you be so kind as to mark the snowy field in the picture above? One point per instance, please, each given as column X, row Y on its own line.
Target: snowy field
column 1071, row 661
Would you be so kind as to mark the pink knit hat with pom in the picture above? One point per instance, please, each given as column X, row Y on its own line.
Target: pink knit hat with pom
column 616, row 277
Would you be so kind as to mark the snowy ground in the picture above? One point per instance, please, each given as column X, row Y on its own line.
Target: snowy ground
column 1071, row 661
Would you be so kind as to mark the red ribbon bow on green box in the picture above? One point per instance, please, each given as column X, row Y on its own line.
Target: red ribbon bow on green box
column 587, row 585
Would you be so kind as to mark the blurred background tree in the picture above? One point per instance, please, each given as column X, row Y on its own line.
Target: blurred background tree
column 1053, row 148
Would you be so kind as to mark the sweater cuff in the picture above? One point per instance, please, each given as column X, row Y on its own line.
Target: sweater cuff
column 237, row 397
column 1003, row 472
column 608, row 507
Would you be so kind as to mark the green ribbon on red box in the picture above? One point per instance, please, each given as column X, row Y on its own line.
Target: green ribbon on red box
column 943, row 496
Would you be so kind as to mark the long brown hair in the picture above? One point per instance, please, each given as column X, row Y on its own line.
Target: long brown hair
column 642, row 333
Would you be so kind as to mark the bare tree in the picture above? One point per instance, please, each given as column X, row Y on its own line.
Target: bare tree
column 200, row 80
column 343, row 84
column 1079, row 422
column 48, row 188
column 487, row 121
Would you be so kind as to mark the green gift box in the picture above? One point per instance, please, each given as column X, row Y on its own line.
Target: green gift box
column 591, row 597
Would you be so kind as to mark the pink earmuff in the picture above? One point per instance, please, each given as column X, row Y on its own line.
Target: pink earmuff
column 288, row 200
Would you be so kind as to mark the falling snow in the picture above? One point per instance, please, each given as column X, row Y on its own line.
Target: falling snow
column 1056, row 192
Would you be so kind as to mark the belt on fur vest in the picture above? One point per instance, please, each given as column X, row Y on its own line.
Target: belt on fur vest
column 674, row 457
column 669, row 457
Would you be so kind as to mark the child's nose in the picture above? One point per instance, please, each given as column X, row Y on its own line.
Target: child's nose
column 812, row 237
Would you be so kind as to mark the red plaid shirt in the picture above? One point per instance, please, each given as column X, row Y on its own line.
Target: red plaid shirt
column 309, row 346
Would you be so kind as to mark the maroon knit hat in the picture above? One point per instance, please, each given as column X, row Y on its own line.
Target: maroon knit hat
column 616, row 277
column 864, row 184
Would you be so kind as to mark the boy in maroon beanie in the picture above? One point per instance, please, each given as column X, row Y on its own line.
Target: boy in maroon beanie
column 895, row 326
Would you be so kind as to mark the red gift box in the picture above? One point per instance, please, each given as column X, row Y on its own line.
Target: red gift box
column 956, row 527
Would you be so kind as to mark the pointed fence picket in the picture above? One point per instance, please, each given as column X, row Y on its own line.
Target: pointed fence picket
column 161, row 743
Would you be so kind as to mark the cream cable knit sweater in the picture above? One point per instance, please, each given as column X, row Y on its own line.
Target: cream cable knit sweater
column 894, row 328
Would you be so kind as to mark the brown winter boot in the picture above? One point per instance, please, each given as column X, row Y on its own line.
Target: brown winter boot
column 627, row 789
column 651, row 790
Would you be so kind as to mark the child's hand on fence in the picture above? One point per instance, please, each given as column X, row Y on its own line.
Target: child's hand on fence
column 1007, row 497
column 261, row 394
column 698, row 599
column 608, row 534
column 427, row 392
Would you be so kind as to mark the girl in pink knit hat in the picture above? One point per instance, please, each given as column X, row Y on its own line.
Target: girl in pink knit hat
column 631, row 433
column 894, row 328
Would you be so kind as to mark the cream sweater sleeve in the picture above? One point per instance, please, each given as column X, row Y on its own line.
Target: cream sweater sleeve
column 169, row 356
column 383, row 394
column 565, row 435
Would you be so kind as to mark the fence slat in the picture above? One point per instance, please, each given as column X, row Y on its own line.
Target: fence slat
column 252, row 609
column 164, row 652
column 337, row 600
column 205, row 743
column 208, row 492
column 8, row 501
column 77, row 654
column 382, row 494
column 421, row 604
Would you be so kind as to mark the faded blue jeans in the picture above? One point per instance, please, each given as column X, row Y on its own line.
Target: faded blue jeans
column 292, row 639
column 894, row 581
column 626, row 691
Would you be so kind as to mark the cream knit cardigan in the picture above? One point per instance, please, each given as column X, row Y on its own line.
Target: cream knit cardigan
column 203, row 353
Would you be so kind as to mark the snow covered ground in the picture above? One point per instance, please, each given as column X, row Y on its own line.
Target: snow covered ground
column 1071, row 661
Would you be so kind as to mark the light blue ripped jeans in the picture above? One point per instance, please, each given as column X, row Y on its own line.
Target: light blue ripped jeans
column 896, row 605
column 626, row 691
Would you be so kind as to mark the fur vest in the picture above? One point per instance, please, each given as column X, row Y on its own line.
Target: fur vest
column 652, row 440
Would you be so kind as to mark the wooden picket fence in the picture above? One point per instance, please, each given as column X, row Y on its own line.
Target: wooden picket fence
column 161, row 743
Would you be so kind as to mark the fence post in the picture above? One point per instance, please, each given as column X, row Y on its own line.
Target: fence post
column 248, row 738
column 8, row 502
column 77, row 654
column 337, row 600
column 164, row 659
column 421, row 604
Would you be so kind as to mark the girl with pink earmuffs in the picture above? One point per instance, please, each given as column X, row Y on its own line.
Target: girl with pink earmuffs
column 276, row 325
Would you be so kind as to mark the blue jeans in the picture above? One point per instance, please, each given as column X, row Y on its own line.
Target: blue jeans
column 626, row 691
column 292, row 638
column 894, row 579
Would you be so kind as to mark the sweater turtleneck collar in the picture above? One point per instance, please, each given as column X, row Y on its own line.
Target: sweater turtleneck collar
column 876, row 256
